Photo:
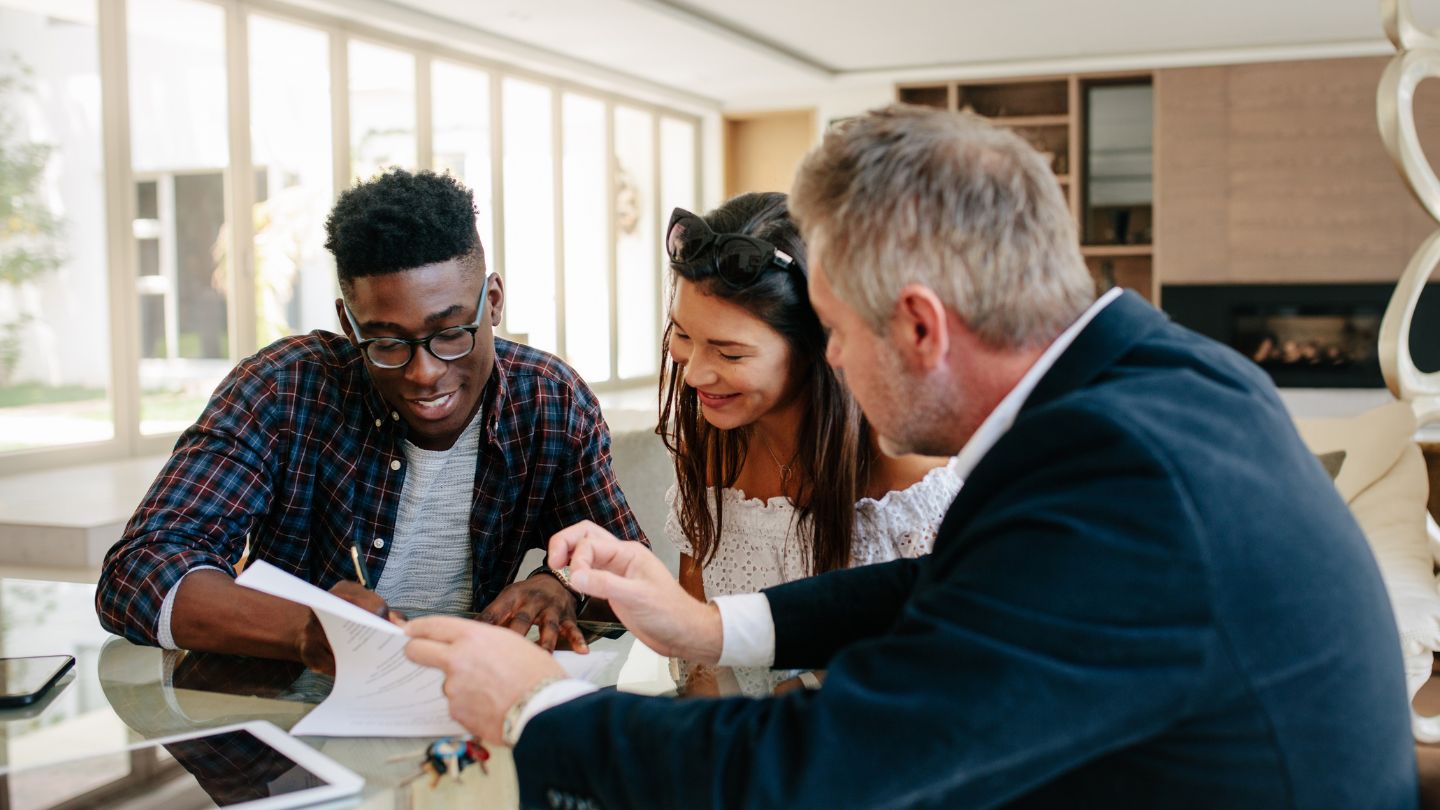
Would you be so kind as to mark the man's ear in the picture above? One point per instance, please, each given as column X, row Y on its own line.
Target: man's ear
column 495, row 299
column 340, row 316
column 919, row 329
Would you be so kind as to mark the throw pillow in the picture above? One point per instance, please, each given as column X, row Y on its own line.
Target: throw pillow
column 1331, row 462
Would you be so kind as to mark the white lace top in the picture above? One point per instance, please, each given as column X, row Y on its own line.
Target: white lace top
column 759, row 546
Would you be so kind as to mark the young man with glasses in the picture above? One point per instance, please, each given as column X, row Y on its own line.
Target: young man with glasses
column 416, row 448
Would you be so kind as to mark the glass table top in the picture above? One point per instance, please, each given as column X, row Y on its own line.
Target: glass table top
column 120, row 693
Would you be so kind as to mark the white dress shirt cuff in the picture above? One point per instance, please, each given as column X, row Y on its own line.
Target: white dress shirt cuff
column 550, row 697
column 749, row 630
column 162, row 624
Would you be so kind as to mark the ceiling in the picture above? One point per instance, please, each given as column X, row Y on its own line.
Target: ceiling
column 741, row 50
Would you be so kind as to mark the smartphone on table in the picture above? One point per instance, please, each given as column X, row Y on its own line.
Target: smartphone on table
column 24, row 680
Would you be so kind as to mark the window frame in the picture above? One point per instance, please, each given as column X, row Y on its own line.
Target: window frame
column 122, row 246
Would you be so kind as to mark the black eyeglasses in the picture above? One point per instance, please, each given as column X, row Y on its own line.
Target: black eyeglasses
column 737, row 259
column 451, row 343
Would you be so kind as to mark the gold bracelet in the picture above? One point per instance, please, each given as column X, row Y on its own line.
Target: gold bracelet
column 508, row 733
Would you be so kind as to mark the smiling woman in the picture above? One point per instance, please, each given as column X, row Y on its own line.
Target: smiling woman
column 778, row 476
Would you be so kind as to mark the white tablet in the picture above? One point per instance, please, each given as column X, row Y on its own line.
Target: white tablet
column 254, row 766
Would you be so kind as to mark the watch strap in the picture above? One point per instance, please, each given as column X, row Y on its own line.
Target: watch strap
column 509, row 728
column 563, row 575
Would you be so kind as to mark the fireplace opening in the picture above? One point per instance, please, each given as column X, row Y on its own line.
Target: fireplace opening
column 1306, row 335
column 1290, row 339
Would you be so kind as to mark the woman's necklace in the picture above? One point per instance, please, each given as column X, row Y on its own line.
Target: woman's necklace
column 785, row 469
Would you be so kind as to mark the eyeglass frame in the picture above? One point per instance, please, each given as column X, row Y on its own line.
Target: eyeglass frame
column 715, row 242
column 364, row 344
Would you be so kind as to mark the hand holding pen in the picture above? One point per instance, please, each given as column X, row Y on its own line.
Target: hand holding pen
column 369, row 600
column 314, row 646
column 364, row 596
column 360, row 573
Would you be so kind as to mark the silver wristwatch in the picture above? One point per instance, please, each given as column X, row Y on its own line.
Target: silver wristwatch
column 563, row 574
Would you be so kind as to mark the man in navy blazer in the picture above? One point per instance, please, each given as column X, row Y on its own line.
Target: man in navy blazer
column 1147, row 593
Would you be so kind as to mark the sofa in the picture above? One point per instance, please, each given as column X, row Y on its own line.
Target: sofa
column 1383, row 478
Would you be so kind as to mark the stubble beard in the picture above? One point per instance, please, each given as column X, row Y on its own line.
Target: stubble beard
column 917, row 420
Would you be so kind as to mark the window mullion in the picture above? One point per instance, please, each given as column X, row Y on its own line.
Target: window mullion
column 240, row 199
column 496, row 250
column 424, row 114
column 557, row 173
column 119, row 223
column 339, row 111
column 661, row 253
column 613, row 231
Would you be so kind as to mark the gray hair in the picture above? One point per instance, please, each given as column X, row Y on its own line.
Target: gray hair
column 907, row 195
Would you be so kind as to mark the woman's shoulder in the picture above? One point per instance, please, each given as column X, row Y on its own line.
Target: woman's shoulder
column 902, row 522
column 894, row 474
column 743, row 514
column 922, row 486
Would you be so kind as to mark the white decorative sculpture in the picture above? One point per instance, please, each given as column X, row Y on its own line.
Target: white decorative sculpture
column 1417, row 59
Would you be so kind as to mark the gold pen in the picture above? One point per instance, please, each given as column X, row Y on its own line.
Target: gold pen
column 359, row 566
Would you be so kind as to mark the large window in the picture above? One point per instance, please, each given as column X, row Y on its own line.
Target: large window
column 290, row 140
column 54, row 287
column 382, row 109
column 679, row 179
column 461, row 103
column 529, row 176
column 168, row 165
column 636, row 250
column 587, row 243
column 180, row 153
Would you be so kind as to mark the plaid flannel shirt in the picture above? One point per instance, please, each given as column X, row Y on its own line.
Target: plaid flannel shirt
column 299, row 452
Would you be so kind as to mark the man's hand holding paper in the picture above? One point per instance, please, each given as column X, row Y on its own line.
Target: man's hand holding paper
column 487, row 669
column 378, row 692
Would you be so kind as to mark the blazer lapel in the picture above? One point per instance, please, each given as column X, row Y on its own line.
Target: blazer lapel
column 1113, row 332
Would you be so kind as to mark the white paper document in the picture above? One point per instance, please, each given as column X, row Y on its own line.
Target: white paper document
column 378, row 691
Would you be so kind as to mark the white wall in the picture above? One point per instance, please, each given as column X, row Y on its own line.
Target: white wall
column 841, row 99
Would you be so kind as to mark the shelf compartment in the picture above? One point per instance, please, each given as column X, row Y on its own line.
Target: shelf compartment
column 936, row 95
column 1053, row 143
column 1032, row 121
column 1101, row 251
column 1016, row 99
column 1131, row 272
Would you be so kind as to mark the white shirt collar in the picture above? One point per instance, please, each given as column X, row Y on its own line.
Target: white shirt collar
column 1000, row 419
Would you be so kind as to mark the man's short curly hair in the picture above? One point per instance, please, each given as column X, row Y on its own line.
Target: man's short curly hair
column 401, row 220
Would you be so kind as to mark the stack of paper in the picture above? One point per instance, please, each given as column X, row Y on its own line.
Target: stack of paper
column 378, row 691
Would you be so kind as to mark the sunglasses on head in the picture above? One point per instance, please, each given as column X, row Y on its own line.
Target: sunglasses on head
column 737, row 259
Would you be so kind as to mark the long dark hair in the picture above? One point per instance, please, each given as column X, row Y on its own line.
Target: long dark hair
column 835, row 453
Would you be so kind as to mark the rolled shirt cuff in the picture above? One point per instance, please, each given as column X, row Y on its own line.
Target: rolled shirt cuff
column 162, row 624
column 749, row 630
column 548, row 698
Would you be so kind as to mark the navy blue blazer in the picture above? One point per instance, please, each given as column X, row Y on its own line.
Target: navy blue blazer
column 1147, row 594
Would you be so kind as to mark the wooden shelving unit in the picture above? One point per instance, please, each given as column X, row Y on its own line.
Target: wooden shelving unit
column 1049, row 112
column 1016, row 121
column 1102, row 251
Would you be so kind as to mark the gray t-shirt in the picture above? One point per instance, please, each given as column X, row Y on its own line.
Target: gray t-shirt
column 429, row 565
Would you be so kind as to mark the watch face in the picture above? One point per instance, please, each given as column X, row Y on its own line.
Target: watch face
column 563, row 574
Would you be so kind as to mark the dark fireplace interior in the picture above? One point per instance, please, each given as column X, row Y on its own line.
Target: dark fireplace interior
column 1306, row 335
